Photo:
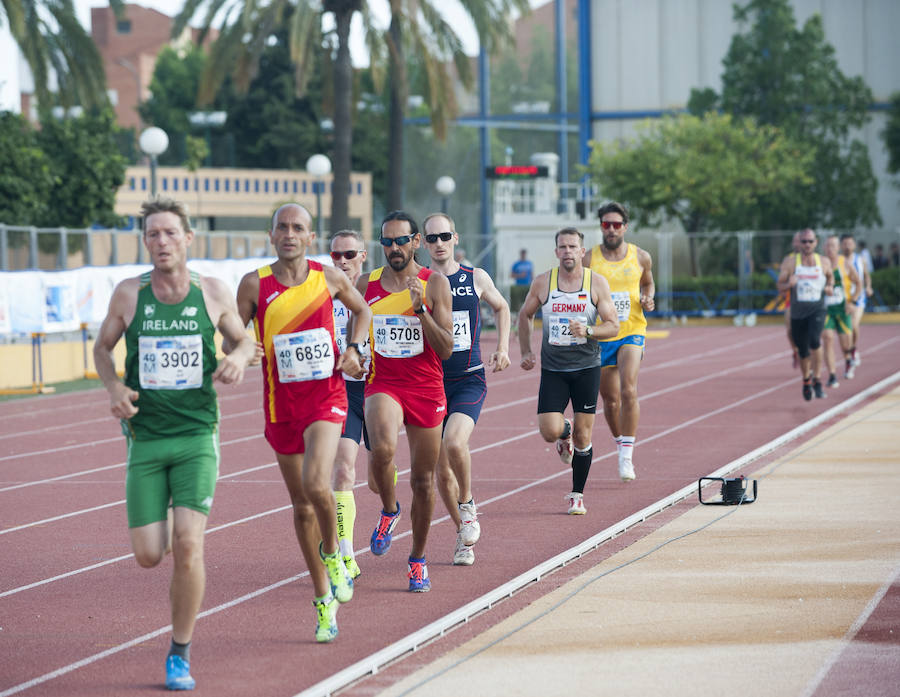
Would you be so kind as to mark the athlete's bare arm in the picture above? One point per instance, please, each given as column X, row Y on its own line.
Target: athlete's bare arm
column 438, row 324
column 121, row 312
column 786, row 278
column 648, row 287
column 487, row 291
column 854, row 279
column 829, row 276
column 247, row 295
column 360, row 318
column 223, row 312
column 539, row 289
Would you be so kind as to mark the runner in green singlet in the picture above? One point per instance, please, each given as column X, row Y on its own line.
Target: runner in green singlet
column 168, row 408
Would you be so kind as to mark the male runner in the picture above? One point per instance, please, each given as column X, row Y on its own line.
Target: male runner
column 168, row 408
column 628, row 268
column 809, row 278
column 837, row 320
column 348, row 252
column 411, row 332
column 862, row 293
column 305, row 403
column 464, row 382
column 571, row 299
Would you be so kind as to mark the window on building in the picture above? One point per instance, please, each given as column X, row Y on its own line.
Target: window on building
column 123, row 26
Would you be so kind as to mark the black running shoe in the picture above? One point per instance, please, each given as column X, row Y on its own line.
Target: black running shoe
column 832, row 381
column 817, row 388
column 807, row 390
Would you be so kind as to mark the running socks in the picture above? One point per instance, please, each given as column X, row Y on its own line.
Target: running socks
column 346, row 517
column 626, row 448
column 183, row 650
column 581, row 465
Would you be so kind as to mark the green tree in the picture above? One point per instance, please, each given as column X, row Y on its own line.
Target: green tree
column 709, row 173
column 789, row 77
column 87, row 170
column 26, row 175
column 53, row 41
column 891, row 134
column 416, row 28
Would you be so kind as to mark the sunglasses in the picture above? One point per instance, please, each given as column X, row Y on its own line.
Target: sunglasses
column 349, row 254
column 614, row 224
column 399, row 241
column 433, row 237
column 807, row 241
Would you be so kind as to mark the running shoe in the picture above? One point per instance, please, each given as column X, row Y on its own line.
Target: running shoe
column 564, row 445
column 326, row 619
column 849, row 369
column 832, row 381
column 178, row 674
column 576, row 503
column 381, row 535
column 857, row 359
column 338, row 576
column 470, row 530
column 807, row 390
column 418, row 576
column 352, row 567
column 626, row 470
column 463, row 555
column 817, row 388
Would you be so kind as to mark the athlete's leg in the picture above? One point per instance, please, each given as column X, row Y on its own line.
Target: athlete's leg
column 611, row 394
column 189, row 574
column 384, row 419
column 424, row 449
column 629, row 360
column 828, row 336
column 321, row 440
column 551, row 425
column 150, row 543
column 306, row 524
column 344, row 477
column 455, row 464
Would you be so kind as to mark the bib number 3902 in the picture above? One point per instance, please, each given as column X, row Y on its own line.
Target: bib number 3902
column 170, row 362
column 305, row 355
column 397, row 336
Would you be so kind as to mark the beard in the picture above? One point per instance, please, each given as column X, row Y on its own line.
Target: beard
column 399, row 261
column 614, row 243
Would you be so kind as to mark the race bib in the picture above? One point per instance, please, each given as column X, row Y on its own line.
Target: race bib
column 462, row 331
column 341, row 338
column 561, row 334
column 170, row 362
column 622, row 303
column 835, row 298
column 808, row 291
column 398, row 336
column 305, row 355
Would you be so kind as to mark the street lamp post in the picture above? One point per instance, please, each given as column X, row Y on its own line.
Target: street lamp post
column 154, row 142
column 319, row 166
column 445, row 186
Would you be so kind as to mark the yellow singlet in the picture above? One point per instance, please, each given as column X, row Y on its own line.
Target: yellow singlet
column 624, row 279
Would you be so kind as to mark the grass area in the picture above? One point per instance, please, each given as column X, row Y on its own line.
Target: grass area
column 60, row 387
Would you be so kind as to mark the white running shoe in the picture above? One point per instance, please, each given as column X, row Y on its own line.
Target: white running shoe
column 564, row 446
column 470, row 530
column 626, row 469
column 464, row 555
column 849, row 369
column 576, row 503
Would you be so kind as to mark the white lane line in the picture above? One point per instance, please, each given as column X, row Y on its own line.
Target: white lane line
column 412, row 642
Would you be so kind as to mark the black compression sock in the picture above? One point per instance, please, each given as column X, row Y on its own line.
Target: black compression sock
column 183, row 650
column 581, row 465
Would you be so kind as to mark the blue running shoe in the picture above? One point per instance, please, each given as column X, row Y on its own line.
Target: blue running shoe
column 381, row 535
column 418, row 576
column 178, row 674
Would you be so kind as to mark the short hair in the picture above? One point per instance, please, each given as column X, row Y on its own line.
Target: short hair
column 348, row 233
column 285, row 205
column 613, row 207
column 401, row 215
column 847, row 236
column 569, row 231
column 440, row 215
column 164, row 204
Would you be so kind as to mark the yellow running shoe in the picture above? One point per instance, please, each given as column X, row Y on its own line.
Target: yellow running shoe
column 326, row 613
column 338, row 577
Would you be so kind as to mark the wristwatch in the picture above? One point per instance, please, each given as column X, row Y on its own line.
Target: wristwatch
column 589, row 332
column 420, row 310
column 354, row 345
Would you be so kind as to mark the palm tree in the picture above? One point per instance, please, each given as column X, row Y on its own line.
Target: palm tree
column 416, row 28
column 53, row 41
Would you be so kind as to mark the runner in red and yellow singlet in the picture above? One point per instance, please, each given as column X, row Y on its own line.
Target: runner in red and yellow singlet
column 410, row 334
column 290, row 303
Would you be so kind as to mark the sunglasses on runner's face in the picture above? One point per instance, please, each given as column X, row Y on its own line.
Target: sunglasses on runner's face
column 614, row 224
column 399, row 241
column 349, row 254
column 433, row 237
column 807, row 241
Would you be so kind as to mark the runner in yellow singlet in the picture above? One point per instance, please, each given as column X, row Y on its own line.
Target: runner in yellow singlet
column 628, row 270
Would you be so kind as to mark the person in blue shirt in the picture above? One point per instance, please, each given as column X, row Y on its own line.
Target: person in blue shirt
column 522, row 272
